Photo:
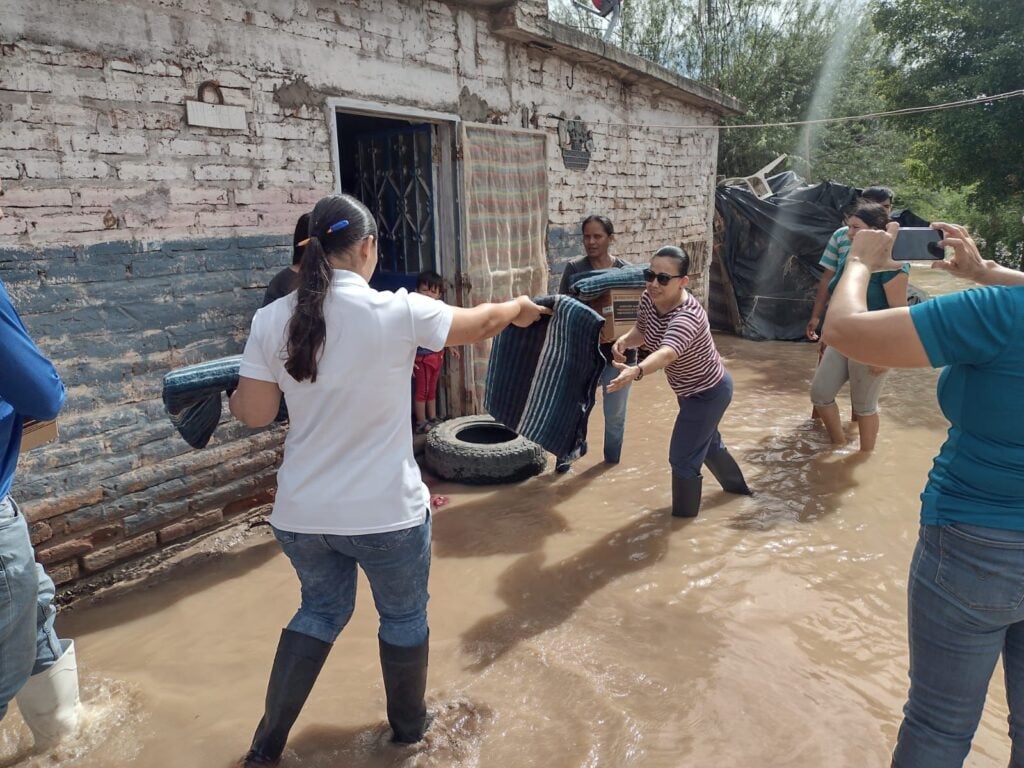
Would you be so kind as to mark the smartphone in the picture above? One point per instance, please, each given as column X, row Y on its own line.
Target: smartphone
column 918, row 244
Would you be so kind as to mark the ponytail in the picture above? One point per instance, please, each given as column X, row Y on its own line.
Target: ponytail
column 337, row 224
column 307, row 329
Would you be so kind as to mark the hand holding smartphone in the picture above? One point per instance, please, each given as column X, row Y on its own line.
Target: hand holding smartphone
column 918, row 244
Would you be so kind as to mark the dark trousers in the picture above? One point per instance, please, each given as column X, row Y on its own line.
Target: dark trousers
column 695, row 435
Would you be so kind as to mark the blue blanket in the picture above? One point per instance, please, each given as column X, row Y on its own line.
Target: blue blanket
column 589, row 285
column 542, row 380
column 192, row 397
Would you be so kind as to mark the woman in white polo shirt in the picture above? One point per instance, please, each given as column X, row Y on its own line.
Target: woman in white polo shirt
column 349, row 490
column 673, row 325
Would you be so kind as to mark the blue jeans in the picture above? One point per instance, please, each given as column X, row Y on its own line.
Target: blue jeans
column 397, row 565
column 614, row 405
column 28, row 644
column 695, row 435
column 966, row 607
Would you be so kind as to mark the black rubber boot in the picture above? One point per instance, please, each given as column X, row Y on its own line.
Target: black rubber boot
column 686, row 495
column 405, row 683
column 728, row 473
column 297, row 664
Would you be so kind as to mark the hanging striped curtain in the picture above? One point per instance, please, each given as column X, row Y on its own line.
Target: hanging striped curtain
column 505, row 223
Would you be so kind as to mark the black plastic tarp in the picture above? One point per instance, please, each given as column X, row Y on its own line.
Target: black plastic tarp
column 770, row 251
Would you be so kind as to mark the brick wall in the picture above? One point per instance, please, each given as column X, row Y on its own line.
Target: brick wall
column 134, row 243
column 115, row 317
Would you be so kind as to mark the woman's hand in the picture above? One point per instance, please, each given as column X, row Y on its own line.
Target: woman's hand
column 873, row 248
column 529, row 313
column 812, row 328
column 966, row 261
column 619, row 349
column 625, row 378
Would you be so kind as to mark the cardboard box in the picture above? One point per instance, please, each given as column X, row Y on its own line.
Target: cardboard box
column 35, row 433
column 619, row 308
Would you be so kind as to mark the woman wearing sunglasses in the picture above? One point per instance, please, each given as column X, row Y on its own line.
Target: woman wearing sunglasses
column 673, row 324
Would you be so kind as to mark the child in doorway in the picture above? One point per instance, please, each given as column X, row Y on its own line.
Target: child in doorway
column 427, row 369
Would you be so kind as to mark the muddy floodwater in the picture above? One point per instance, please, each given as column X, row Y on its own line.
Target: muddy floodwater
column 573, row 621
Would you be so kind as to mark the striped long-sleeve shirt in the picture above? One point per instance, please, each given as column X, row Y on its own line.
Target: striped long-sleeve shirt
column 686, row 331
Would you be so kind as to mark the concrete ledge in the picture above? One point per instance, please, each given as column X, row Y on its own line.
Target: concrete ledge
column 572, row 45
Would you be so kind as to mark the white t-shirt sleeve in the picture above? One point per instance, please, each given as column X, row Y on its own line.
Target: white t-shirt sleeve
column 254, row 362
column 431, row 321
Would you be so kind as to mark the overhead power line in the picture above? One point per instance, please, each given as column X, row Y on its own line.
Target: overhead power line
column 826, row 120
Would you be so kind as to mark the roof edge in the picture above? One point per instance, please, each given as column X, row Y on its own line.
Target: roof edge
column 571, row 44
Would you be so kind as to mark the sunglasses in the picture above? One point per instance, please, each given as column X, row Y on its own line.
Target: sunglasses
column 650, row 276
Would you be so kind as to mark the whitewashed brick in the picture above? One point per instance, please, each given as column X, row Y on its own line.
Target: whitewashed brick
column 188, row 196
column 260, row 151
column 278, row 176
column 217, row 219
column 288, row 130
column 162, row 94
column 228, row 79
column 222, row 173
column 109, row 145
column 67, row 223
column 176, row 220
column 84, row 169
column 104, row 197
column 262, row 197
column 190, row 147
column 123, row 65
column 162, row 68
column 150, row 172
column 27, row 138
column 28, row 79
column 15, row 197
column 13, row 226
column 9, row 168
column 306, row 196
column 42, row 169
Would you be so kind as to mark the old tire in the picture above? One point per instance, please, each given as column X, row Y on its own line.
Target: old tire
column 477, row 450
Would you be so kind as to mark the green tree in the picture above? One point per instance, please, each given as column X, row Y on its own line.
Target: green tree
column 946, row 50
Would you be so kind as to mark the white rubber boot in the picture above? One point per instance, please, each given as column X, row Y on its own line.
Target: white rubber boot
column 49, row 701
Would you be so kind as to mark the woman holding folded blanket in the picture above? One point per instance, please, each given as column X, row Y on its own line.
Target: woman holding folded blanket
column 349, row 490
column 673, row 324
column 598, row 236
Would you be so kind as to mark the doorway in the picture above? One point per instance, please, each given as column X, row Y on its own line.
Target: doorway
column 388, row 165
column 401, row 166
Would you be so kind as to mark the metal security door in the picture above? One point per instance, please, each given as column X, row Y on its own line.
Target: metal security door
column 396, row 182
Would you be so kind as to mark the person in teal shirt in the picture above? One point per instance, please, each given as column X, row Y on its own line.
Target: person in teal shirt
column 885, row 289
column 966, row 586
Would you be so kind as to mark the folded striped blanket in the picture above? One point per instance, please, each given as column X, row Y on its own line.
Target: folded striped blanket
column 590, row 285
column 192, row 397
column 542, row 380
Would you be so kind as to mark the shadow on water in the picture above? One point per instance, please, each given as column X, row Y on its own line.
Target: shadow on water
column 507, row 522
column 801, row 478
column 195, row 573
column 541, row 597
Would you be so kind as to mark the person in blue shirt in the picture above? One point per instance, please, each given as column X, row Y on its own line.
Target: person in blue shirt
column 35, row 665
column 966, row 586
column 835, row 251
column 886, row 289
